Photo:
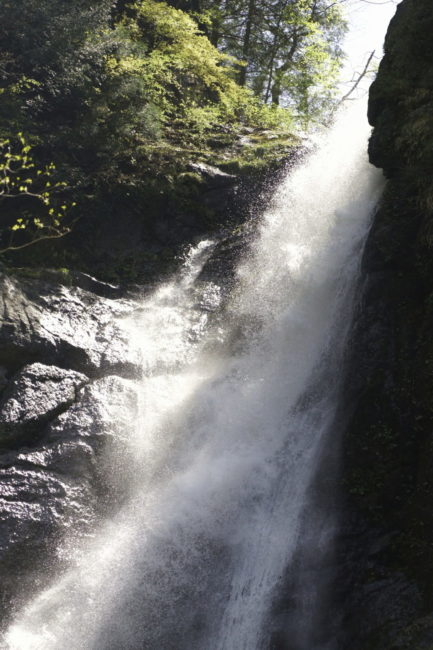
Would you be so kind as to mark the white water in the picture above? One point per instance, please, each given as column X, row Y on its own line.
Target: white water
column 237, row 407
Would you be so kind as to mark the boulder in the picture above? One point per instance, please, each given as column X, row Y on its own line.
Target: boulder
column 35, row 395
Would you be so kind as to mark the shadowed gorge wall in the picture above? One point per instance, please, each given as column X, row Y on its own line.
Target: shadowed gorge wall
column 388, row 466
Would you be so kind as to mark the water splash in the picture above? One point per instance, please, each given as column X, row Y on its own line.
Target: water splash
column 236, row 410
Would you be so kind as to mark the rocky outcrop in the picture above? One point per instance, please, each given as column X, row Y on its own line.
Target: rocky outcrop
column 67, row 405
column 387, row 537
column 36, row 394
column 148, row 228
column 63, row 325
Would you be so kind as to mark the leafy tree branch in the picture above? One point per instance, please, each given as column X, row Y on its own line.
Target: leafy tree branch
column 37, row 212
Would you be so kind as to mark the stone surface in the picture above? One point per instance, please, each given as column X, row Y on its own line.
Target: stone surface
column 387, row 534
column 60, row 482
column 215, row 178
column 63, row 326
column 35, row 394
column 66, row 415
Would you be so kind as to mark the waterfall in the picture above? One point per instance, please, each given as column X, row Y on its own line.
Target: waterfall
column 237, row 406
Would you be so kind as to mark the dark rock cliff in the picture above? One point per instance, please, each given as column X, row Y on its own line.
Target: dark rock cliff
column 387, row 536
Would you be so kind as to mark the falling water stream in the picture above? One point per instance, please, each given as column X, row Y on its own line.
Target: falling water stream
column 237, row 405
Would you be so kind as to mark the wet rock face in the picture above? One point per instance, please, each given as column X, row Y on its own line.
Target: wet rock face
column 36, row 394
column 64, row 412
column 64, row 326
column 388, row 448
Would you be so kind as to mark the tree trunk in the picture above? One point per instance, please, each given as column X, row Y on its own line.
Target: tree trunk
column 246, row 45
column 276, row 88
column 279, row 72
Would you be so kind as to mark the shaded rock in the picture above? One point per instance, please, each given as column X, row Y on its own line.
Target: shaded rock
column 3, row 378
column 81, row 280
column 219, row 188
column 401, row 97
column 215, row 178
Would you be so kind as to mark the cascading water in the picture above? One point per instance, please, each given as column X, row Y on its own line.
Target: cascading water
column 237, row 407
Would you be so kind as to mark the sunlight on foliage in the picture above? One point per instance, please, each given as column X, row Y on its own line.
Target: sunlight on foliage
column 188, row 81
column 123, row 97
column 34, row 192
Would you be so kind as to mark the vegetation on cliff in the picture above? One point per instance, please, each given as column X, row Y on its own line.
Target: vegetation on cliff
column 119, row 98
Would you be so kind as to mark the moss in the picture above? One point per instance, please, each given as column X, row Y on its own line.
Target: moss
column 190, row 178
column 61, row 275
column 260, row 154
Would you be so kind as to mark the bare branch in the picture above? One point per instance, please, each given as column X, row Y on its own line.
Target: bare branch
column 359, row 79
column 56, row 235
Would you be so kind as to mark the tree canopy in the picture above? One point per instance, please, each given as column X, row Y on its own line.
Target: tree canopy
column 120, row 95
column 290, row 49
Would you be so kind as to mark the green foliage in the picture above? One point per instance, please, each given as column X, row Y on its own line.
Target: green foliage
column 38, row 210
column 189, row 85
column 290, row 49
column 122, row 97
column 112, row 98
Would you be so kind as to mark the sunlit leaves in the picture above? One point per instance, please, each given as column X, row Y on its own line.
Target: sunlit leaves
column 291, row 48
column 34, row 192
column 189, row 82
